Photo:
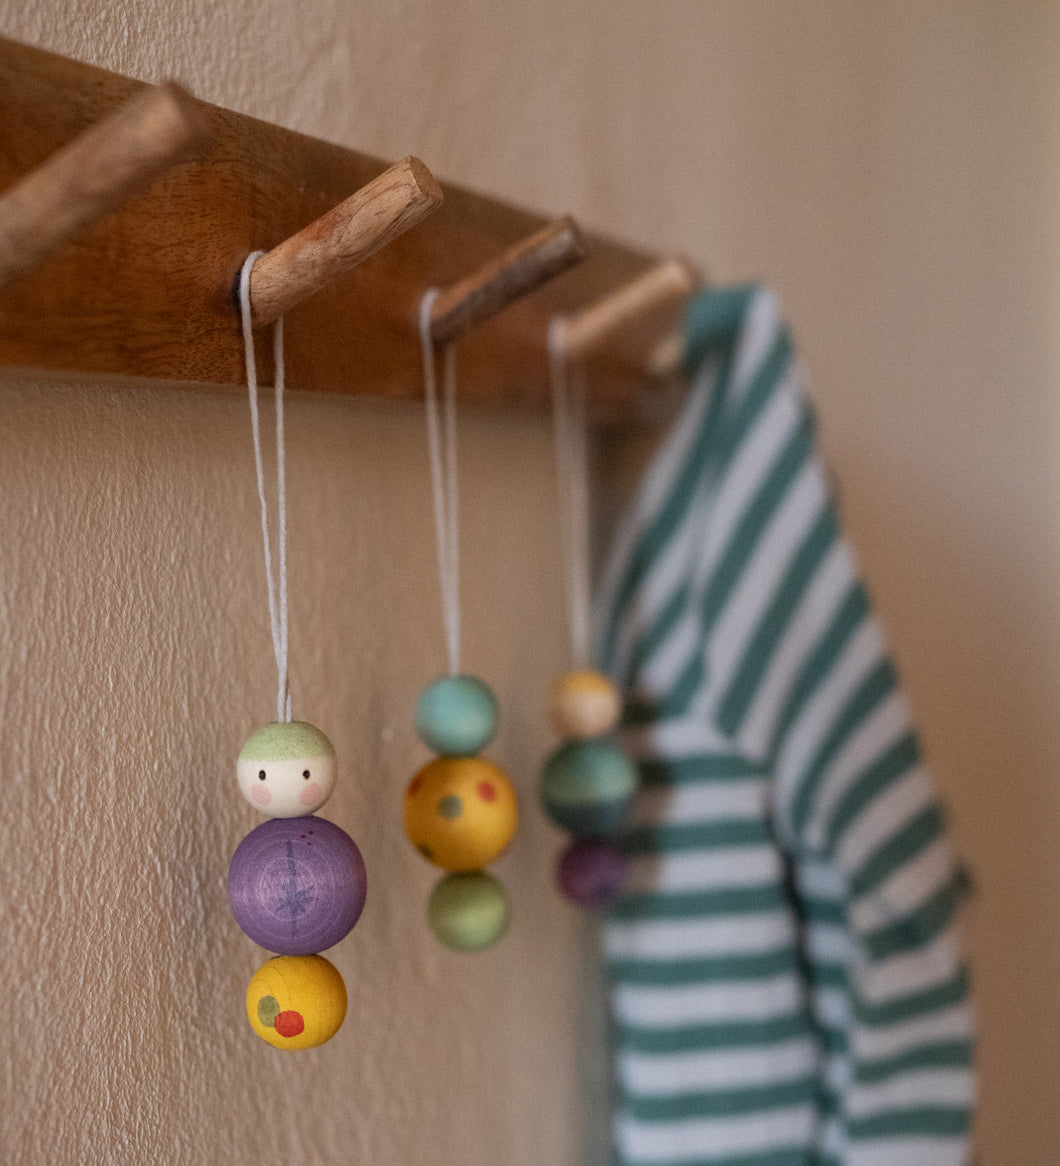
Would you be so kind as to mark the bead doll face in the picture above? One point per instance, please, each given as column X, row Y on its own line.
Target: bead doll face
column 287, row 770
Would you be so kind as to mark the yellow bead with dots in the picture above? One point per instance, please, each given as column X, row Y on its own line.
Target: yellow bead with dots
column 296, row 1001
column 460, row 812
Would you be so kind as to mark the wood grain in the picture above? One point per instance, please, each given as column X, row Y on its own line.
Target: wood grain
column 596, row 325
column 95, row 173
column 341, row 238
column 504, row 279
column 146, row 292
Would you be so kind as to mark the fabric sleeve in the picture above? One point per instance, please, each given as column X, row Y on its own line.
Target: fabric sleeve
column 734, row 609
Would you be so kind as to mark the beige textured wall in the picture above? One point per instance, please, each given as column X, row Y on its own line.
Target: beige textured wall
column 136, row 660
column 893, row 169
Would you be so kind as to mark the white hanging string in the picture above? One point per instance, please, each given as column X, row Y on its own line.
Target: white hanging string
column 441, row 444
column 277, row 596
column 572, row 488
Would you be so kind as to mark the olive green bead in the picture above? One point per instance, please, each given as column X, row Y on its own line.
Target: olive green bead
column 468, row 911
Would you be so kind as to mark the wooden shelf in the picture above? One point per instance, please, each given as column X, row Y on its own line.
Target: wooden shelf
column 147, row 292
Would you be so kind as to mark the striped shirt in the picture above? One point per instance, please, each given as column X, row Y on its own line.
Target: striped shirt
column 787, row 982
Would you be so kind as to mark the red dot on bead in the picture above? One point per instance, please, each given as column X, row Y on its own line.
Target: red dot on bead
column 487, row 791
column 416, row 783
column 289, row 1023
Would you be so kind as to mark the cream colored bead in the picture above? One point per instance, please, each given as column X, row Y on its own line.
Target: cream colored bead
column 584, row 704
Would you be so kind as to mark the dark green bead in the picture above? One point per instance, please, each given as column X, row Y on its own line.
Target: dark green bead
column 588, row 786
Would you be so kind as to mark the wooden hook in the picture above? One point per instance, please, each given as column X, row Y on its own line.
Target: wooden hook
column 667, row 356
column 336, row 242
column 593, row 326
column 95, row 173
column 504, row 279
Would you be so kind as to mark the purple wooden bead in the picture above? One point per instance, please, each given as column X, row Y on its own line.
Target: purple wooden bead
column 297, row 885
column 592, row 872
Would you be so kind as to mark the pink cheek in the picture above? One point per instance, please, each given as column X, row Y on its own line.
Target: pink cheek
column 260, row 796
column 310, row 794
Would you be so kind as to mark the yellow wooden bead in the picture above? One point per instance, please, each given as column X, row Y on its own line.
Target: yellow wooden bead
column 296, row 1001
column 460, row 812
column 584, row 704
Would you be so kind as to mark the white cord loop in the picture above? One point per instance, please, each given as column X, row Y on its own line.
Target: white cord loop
column 572, row 489
column 277, row 604
column 441, row 444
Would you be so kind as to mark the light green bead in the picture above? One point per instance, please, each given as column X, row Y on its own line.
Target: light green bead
column 456, row 716
column 468, row 911
column 286, row 741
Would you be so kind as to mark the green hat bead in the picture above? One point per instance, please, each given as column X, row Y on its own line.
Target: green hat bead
column 468, row 911
column 287, row 769
column 587, row 787
column 456, row 716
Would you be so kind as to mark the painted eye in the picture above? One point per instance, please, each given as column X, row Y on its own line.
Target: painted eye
column 261, row 775
column 305, row 774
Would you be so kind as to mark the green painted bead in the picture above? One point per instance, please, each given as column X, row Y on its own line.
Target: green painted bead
column 587, row 787
column 468, row 911
column 456, row 716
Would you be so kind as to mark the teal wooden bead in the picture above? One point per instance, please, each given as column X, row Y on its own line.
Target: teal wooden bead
column 456, row 716
column 468, row 911
column 588, row 786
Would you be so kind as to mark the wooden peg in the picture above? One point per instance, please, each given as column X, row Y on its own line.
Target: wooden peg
column 667, row 356
column 95, row 173
column 336, row 242
column 501, row 281
column 593, row 326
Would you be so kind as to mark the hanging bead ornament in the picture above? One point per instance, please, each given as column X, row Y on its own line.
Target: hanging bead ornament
column 296, row 1001
column 588, row 784
column 296, row 883
column 460, row 809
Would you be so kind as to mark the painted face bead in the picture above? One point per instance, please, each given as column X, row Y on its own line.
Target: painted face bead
column 460, row 812
column 469, row 911
column 287, row 770
column 296, row 1001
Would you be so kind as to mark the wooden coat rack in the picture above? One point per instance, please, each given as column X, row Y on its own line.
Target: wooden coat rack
column 146, row 291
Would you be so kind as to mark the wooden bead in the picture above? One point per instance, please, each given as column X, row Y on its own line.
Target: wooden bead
column 297, row 885
column 296, row 1001
column 584, row 704
column 456, row 716
column 460, row 812
column 592, row 872
column 287, row 770
column 587, row 787
column 468, row 912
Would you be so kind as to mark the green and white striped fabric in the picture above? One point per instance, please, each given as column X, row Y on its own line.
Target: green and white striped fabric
column 786, row 975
